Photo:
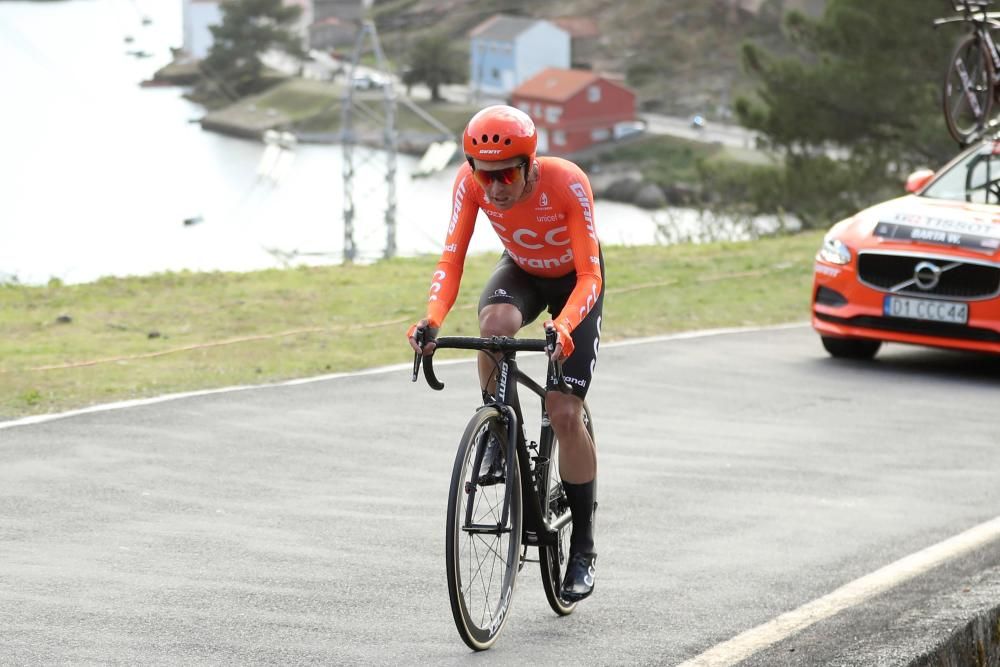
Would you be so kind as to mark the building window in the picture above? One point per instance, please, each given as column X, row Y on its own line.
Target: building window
column 552, row 114
column 525, row 107
column 594, row 94
column 600, row 134
column 559, row 138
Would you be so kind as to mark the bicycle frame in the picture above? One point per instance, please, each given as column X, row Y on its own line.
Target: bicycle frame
column 537, row 530
column 534, row 479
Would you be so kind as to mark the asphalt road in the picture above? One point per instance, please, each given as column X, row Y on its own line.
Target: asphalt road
column 741, row 476
column 713, row 131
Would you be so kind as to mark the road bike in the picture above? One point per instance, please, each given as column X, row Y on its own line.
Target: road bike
column 506, row 494
column 972, row 80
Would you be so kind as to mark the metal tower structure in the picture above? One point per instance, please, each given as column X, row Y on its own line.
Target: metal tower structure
column 358, row 101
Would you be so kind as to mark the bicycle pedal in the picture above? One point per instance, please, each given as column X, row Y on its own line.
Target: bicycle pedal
column 490, row 479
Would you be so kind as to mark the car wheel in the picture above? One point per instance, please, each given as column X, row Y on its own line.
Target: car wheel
column 851, row 348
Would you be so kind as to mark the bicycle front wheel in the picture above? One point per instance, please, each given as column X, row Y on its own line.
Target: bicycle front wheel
column 482, row 550
column 967, row 97
column 554, row 558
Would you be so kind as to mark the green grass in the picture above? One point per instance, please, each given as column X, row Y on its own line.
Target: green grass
column 136, row 337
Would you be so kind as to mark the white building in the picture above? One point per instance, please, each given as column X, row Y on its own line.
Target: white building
column 200, row 15
column 505, row 51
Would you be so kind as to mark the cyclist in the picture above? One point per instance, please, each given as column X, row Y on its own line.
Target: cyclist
column 542, row 208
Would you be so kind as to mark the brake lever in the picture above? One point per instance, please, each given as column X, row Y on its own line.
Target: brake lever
column 555, row 367
column 428, row 362
column 419, row 337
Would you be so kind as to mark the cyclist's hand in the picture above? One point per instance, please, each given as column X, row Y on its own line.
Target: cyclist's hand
column 564, row 341
column 429, row 337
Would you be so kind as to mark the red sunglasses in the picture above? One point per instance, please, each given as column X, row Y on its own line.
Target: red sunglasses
column 505, row 176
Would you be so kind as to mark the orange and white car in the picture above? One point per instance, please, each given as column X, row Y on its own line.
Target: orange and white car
column 922, row 269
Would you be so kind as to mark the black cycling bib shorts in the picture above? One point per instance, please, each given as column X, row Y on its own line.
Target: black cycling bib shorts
column 531, row 294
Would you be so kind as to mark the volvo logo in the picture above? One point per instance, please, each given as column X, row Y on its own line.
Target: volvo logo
column 926, row 275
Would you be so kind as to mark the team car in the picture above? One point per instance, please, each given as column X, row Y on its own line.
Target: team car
column 922, row 269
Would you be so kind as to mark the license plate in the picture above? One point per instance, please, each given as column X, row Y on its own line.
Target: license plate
column 925, row 309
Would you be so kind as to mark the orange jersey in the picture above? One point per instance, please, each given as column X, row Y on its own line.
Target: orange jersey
column 549, row 234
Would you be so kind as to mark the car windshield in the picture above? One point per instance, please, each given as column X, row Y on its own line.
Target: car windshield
column 975, row 178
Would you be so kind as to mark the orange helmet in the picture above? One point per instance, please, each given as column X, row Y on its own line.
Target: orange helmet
column 500, row 133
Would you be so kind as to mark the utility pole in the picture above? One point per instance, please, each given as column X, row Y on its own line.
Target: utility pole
column 358, row 103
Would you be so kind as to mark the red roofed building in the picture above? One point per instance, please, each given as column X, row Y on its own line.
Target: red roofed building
column 573, row 109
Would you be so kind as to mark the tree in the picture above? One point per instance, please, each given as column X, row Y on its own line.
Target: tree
column 250, row 28
column 433, row 62
column 864, row 87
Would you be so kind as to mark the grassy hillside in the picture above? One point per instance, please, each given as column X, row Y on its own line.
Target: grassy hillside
column 69, row 346
column 682, row 56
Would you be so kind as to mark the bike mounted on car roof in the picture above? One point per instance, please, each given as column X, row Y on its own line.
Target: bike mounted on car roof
column 972, row 80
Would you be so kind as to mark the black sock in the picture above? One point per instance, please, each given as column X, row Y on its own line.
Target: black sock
column 582, row 503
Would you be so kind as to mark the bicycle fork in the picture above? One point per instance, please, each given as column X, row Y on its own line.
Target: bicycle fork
column 472, row 487
column 538, row 530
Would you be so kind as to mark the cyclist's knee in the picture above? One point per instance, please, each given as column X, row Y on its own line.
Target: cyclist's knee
column 565, row 411
column 499, row 319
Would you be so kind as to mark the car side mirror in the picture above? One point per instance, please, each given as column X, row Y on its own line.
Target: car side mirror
column 918, row 179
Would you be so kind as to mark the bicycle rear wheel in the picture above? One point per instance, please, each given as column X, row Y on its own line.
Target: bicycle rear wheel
column 482, row 552
column 967, row 97
column 553, row 559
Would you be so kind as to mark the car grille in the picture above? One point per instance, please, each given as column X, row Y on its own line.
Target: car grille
column 965, row 281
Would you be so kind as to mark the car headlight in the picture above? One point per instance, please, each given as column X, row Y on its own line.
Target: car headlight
column 834, row 251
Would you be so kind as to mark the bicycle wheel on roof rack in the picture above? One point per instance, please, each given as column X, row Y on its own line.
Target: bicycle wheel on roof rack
column 967, row 95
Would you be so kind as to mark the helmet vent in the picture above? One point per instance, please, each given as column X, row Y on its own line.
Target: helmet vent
column 474, row 142
column 496, row 138
column 507, row 142
column 486, row 138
